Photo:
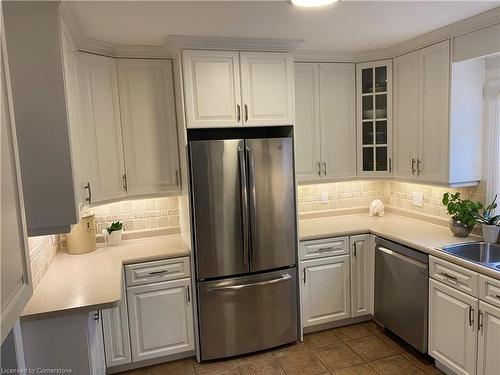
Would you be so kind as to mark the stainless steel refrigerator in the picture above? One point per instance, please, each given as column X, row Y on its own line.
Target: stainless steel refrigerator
column 243, row 200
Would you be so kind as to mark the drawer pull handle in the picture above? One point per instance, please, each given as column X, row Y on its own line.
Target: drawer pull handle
column 321, row 249
column 158, row 272
column 497, row 295
column 450, row 277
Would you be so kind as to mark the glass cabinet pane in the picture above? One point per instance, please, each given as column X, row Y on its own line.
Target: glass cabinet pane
column 368, row 133
column 381, row 158
column 380, row 106
column 380, row 79
column 368, row 159
column 367, row 81
column 381, row 132
column 367, row 107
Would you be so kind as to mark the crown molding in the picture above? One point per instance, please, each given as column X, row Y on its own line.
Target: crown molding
column 173, row 43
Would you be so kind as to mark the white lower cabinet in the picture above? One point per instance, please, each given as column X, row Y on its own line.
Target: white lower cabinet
column 488, row 359
column 337, row 279
column 464, row 332
column 452, row 332
column 161, row 319
column 116, row 334
column 325, row 290
column 362, row 275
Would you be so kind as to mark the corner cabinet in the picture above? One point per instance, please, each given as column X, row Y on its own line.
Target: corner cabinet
column 100, row 123
column 229, row 88
column 325, row 132
column 374, row 118
column 148, row 126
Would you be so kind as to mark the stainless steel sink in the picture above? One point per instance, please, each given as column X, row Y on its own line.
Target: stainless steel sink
column 484, row 253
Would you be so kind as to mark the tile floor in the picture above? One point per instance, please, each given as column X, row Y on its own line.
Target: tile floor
column 363, row 349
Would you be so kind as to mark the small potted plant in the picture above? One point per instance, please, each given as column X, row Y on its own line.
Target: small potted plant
column 489, row 223
column 463, row 213
column 113, row 233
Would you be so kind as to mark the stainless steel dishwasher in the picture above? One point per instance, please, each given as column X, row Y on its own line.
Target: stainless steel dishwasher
column 401, row 291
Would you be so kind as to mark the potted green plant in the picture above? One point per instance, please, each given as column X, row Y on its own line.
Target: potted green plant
column 463, row 213
column 489, row 223
column 113, row 233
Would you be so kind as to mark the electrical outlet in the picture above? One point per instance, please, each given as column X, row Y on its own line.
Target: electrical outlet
column 324, row 197
column 418, row 199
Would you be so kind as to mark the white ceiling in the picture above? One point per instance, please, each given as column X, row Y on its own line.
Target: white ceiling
column 346, row 26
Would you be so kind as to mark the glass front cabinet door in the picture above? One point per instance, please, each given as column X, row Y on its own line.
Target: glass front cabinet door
column 374, row 118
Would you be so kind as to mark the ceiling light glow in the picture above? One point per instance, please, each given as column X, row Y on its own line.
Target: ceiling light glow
column 312, row 3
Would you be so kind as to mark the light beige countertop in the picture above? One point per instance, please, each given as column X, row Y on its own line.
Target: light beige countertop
column 417, row 234
column 94, row 280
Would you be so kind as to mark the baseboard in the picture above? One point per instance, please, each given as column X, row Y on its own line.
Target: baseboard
column 337, row 323
column 149, row 362
column 443, row 368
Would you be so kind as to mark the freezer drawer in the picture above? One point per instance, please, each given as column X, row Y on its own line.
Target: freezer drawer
column 245, row 314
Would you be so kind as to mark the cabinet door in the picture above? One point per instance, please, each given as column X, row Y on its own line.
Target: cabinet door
column 434, row 93
column 361, row 264
column 406, row 115
column 267, row 88
column 337, row 118
column 149, row 126
column 374, row 118
column 307, row 132
column 70, row 65
column 489, row 340
column 95, row 344
column 212, row 88
column 161, row 319
column 116, row 333
column 101, row 127
column 16, row 285
column 452, row 328
column 325, row 290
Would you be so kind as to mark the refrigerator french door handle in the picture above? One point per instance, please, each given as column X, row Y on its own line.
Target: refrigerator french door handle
column 249, row 285
column 244, row 200
column 253, row 213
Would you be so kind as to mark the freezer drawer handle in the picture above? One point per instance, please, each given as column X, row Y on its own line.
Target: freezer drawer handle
column 224, row 288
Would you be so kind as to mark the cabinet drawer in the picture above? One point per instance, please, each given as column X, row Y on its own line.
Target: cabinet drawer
column 489, row 290
column 458, row 277
column 324, row 248
column 161, row 270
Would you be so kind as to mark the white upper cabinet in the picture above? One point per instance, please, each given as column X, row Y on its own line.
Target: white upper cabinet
column 212, row 88
column 40, row 98
column 215, row 98
column 433, row 126
column 148, row 126
column 267, row 88
column 307, row 127
column 374, row 118
column 100, row 128
column 430, row 144
column 325, row 131
column 406, row 115
column 337, row 120
column 16, row 285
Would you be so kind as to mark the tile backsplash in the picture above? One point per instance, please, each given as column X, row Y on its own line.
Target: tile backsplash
column 395, row 194
column 43, row 250
column 139, row 214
